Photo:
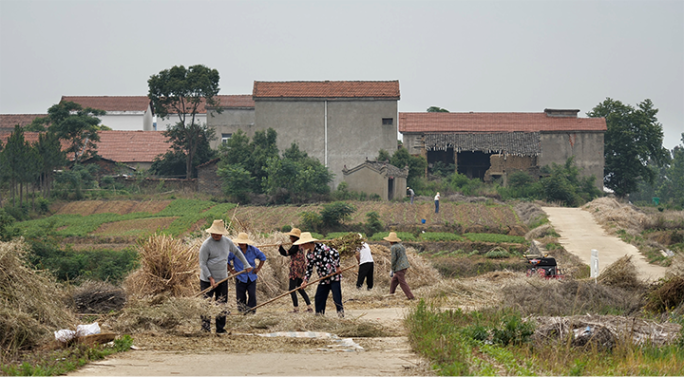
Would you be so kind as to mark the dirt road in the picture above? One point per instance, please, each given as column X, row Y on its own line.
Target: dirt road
column 580, row 233
column 382, row 356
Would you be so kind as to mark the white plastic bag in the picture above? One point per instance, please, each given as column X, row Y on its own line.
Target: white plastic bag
column 64, row 335
column 87, row 329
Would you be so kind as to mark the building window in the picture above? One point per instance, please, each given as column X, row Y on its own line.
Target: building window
column 225, row 137
column 387, row 121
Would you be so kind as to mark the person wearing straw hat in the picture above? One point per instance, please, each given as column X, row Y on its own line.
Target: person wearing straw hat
column 297, row 270
column 399, row 265
column 366, row 265
column 213, row 257
column 245, row 284
column 327, row 261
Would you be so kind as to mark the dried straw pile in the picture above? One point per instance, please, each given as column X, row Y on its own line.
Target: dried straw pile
column 622, row 273
column 98, row 297
column 30, row 301
column 614, row 216
column 666, row 295
column 528, row 212
column 167, row 267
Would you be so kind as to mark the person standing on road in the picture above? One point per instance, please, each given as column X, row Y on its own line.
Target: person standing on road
column 366, row 266
column 411, row 193
column 399, row 265
column 213, row 257
column 327, row 261
column 297, row 270
column 437, row 203
column 245, row 284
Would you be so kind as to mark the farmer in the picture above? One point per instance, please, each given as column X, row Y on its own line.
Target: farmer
column 437, row 203
column 297, row 270
column 327, row 262
column 213, row 256
column 245, row 284
column 399, row 265
column 365, row 260
column 411, row 193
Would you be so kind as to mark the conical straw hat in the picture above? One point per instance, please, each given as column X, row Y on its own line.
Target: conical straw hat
column 217, row 227
column 305, row 238
column 295, row 232
column 392, row 237
column 243, row 239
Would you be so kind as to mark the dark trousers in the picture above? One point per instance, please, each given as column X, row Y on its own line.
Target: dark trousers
column 221, row 295
column 294, row 283
column 365, row 273
column 436, row 206
column 322, row 293
column 242, row 290
column 400, row 280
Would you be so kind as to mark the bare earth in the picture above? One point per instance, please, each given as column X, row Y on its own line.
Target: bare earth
column 579, row 234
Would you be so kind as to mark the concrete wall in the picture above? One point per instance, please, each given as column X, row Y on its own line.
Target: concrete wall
column 413, row 143
column 369, row 181
column 230, row 121
column 172, row 120
column 586, row 147
column 354, row 129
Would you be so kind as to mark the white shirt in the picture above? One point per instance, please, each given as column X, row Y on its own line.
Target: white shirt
column 365, row 254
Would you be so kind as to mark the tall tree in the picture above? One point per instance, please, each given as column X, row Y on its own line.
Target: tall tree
column 15, row 160
column 436, row 109
column 182, row 92
column 634, row 138
column 51, row 157
column 77, row 125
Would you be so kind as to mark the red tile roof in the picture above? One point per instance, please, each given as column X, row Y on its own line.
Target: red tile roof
column 235, row 101
column 111, row 103
column 410, row 122
column 10, row 121
column 30, row 137
column 388, row 90
column 132, row 146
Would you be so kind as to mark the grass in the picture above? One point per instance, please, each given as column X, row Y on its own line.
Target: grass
column 494, row 238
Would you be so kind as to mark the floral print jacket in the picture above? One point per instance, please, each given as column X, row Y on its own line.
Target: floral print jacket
column 326, row 260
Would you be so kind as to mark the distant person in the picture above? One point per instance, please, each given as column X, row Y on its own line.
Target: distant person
column 245, row 284
column 411, row 193
column 327, row 261
column 399, row 265
column 366, row 266
column 297, row 270
column 213, row 257
column 437, row 203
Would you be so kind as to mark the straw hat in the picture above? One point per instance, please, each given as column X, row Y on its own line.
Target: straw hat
column 392, row 238
column 295, row 232
column 243, row 239
column 305, row 238
column 217, row 227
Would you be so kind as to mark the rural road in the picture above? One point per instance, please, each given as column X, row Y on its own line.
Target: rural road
column 580, row 233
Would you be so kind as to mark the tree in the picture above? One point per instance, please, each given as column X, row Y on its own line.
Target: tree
column 77, row 125
column 51, row 157
column 180, row 91
column 174, row 162
column 436, row 109
column 417, row 164
column 633, row 140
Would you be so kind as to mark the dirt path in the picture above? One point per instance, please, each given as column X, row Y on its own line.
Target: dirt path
column 579, row 234
column 383, row 356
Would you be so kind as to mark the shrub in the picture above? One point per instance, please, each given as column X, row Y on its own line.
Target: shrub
column 373, row 223
column 334, row 214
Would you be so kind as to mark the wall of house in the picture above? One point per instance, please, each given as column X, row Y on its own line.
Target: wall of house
column 586, row 147
column 368, row 181
column 505, row 165
column 171, row 120
column 230, row 121
column 134, row 121
column 355, row 129
column 413, row 143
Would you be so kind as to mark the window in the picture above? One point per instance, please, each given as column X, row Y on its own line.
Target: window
column 225, row 137
column 387, row 121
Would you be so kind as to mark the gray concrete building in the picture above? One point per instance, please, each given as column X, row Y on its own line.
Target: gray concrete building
column 494, row 145
column 237, row 113
column 376, row 177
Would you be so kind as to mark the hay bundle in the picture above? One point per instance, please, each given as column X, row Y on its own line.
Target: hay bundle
column 163, row 313
column 621, row 273
column 30, row 305
column 346, row 245
column 98, row 297
column 167, row 267
column 607, row 211
column 665, row 295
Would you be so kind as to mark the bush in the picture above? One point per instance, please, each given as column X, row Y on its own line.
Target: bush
column 335, row 213
column 373, row 223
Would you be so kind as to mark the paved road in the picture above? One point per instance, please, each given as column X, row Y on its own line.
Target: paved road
column 580, row 233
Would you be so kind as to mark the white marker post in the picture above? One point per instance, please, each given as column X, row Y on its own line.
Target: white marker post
column 594, row 265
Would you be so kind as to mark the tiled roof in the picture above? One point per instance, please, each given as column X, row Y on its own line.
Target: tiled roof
column 132, row 146
column 30, row 137
column 235, row 101
column 10, row 121
column 379, row 167
column 410, row 122
column 388, row 90
column 111, row 103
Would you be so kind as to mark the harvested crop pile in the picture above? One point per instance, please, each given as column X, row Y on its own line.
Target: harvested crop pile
column 666, row 294
column 30, row 301
column 98, row 297
column 622, row 273
column 528, row 212
column 613, row 215
column 167, row 266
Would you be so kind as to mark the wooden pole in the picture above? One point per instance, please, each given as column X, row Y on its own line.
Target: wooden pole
column 210, row 288
column 288, row 292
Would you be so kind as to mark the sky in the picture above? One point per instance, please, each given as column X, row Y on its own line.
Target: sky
column 480, row 56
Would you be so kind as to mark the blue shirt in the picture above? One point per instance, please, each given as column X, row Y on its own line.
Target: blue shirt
column 252, row 254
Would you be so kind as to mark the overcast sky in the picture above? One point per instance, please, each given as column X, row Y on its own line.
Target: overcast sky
column 484, row 56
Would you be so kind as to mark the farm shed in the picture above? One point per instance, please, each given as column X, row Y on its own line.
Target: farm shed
column 381, row 178
column 495, row 145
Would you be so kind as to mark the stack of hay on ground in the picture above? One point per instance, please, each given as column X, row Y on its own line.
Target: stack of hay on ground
column 98, row 297
column 609, row 211
column 31, row 306
column 622, row 273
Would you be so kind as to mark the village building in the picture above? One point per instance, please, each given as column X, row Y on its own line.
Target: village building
column 495, row 145
column 9, row 121
column 123, row 113
column 377, row 177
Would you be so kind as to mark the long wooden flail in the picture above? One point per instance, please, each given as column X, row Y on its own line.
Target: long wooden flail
column 210, row 288
column 298, row 288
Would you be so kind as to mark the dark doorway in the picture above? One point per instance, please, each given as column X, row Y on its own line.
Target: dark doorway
column 390, row 188
column 473, row 164
column 441, row 162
